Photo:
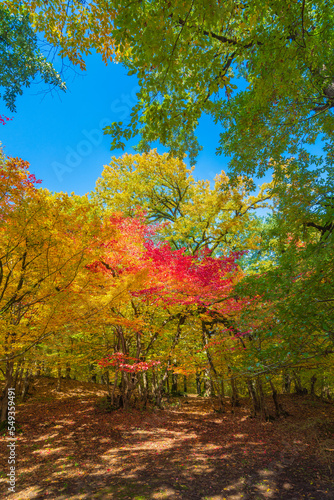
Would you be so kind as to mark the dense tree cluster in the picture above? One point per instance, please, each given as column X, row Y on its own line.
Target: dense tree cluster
column 140, row 296
column 156, row 275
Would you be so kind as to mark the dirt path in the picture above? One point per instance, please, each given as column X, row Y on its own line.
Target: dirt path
column 69, row 449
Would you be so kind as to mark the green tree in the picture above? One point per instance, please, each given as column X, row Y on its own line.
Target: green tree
column 263, row 71
column 292, row 281
column 20, row 59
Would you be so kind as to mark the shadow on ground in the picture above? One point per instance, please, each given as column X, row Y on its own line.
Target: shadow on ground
column 69, row 449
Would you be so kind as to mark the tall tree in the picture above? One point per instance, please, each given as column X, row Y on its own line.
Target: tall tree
column 294, row 280
column 178, row 289
column 195, row 215
column 45, row 241
column 263, row 71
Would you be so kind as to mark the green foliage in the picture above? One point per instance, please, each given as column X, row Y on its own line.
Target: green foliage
column 294, row 286
column 263, row 71
column 20, row 59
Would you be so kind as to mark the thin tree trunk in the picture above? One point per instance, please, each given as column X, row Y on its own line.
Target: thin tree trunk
column 112, row 397
column 174, row 383
column 160, row 384
column 235, row 396
column 58, row 378
column 212, row 370
column 26, row 384
column 222, row 388
column 298, row 384
column 4, row 395
column 157, row 388
column 313, row 381
column 198, row 383
column 278, row 407
column 107, row 380
column 144, row 384
column 167, row 386
column 207, row 384
column 17, row 373
column 286, row 383
column 68, row 370
column 263, row 408
column 252, row 393
column 19, row 381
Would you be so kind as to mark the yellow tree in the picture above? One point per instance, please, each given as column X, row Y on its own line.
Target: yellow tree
column 197, row 216
column 45, row 242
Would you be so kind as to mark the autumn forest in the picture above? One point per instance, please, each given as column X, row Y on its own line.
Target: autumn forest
column 165, row 336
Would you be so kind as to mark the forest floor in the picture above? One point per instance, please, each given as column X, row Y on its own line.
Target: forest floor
column 68, row 448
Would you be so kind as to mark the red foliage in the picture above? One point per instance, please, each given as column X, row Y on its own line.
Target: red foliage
column 198, row 283
column 119, row 361
column 174, row 278
column 4, row 119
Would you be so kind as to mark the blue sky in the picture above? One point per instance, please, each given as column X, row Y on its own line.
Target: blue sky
column 60, row 134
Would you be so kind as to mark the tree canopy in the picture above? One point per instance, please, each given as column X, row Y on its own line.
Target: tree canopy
column 157, row 274
column 20, row 58
column 195, row 215
column 263, row 71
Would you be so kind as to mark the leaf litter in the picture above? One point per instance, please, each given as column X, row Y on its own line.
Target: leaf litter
column 72, row 449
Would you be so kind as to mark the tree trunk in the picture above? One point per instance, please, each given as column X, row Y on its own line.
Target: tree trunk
column 92, row 375
column 211, row 371
column 19, row 379
column 157, row 388
column 212, row 388
column 198, row 383
column 185, row 384
column 286, row 383
column 26, row 384
column 174, row 383
column 254, row 398
column 278, row 407
column 313, row 381
column 167, row 386
column 144, row 386
column 4, row 395
column 112, row 396
column 58, row 378
column 207, row 384
column 125, row 390
column 158, row 384
column 325, row 389
column 298, row 385
column 222, row 388
column 107, row 381
column 263, row 408
column 235, row 396
column 18, row 373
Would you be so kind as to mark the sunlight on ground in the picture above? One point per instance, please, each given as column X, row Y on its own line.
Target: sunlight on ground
column 156, row 455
